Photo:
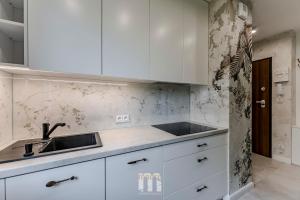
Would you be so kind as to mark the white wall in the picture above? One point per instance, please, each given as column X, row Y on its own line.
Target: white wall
column 282, row 50
column 298, row 79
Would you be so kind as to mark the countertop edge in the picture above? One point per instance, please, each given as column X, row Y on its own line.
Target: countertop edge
column 89, row 155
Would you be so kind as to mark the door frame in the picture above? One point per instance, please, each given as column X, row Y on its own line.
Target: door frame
column 271, row 102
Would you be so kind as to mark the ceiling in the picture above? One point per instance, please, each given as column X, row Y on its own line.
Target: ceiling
column 272, row 17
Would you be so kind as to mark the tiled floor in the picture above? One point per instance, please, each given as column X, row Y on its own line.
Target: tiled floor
column 274, row 180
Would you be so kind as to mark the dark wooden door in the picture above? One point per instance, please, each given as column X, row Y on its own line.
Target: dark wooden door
column 262, row 107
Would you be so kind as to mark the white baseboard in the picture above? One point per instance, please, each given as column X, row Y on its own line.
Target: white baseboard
column 226, row 197
column 238, row 194
column 282, row 159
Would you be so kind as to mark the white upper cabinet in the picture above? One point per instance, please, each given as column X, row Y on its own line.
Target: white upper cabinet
column 2, row 190
column 126, row 38
column 166, row 40
column 195, row 58
column 65, row 35
column 158, row 40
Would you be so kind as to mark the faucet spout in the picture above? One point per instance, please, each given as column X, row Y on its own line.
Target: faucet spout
column 47, row 132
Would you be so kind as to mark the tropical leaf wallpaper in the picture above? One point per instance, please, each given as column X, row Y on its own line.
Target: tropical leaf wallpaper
column 227, row 102
column 240, row 107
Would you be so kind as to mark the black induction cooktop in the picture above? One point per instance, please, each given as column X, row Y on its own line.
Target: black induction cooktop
column 183, row 128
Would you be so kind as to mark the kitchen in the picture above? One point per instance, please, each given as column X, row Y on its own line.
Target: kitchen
column 124, row 99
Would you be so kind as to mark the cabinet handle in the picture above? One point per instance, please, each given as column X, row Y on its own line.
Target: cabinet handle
column 54, row 183
column 202, row 188
column 137, row 161
column 202, row 145
column 202, row 159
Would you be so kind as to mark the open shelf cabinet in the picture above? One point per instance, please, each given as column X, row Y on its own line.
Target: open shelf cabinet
column 12, row 31
column 18, row 4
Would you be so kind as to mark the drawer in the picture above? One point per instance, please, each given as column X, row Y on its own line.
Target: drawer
column 213, row 188
column 193, row 146
column 185, row 171
column 2, row 190
column 135, row 175
column 89, row 182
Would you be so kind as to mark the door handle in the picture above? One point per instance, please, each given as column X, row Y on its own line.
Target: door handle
column 202, row 188
column 262, row 103
column 137, row 161
column 202, row 145
column 54, row 183
column 202, row 159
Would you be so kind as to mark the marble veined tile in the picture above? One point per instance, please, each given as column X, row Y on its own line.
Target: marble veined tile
column 92, row 106
column 5, row 108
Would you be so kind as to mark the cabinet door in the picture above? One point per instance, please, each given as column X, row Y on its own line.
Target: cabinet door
column 88, row 184
column 166, row 40
column 135, row 176
column 126, row 38
column 193, row 168
column 195, row 59
column 2, row 190
column 214, row 187
column 65, row 35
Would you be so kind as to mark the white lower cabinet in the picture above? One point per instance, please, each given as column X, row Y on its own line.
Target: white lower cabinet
column 2, row 190
column 197, row 170
column 212, row 188
column 76, row 182
column 182, row 172
column 135, row 176
column 194, row 146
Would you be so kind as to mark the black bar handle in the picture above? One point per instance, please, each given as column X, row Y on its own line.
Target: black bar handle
column 137, row 161
column 202, row 159
column 202, row 145
column 202, row 188
column 54, row 183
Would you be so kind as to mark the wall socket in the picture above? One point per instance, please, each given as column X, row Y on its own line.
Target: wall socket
column 123, row 118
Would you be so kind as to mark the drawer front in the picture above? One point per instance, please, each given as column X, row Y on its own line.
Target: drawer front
column 135, row 175
column 186, row 148
column 89, row 182
column 2, row 190
column 213, row 188
column 187, row 170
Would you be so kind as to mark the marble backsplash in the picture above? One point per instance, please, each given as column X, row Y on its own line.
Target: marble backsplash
column 89, row 106
column 208, row 108
column 6, row 128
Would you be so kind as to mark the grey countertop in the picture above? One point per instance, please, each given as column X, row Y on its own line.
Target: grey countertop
column 115, row 142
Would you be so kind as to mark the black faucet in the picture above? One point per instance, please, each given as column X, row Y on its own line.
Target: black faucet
column 47, row 132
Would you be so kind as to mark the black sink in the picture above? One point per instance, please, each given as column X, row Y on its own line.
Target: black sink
column 56, row 145
column 72, row 143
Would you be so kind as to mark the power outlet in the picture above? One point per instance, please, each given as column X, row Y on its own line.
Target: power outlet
column 122, row 118
column 126, row 118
